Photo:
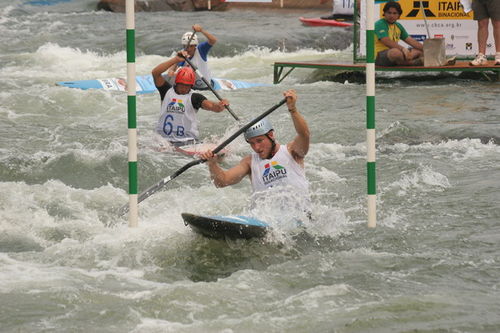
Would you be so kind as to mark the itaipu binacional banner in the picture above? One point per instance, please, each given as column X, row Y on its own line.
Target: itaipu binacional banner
column 445, row 19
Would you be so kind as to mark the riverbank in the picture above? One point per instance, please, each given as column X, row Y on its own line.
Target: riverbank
column 216, row 5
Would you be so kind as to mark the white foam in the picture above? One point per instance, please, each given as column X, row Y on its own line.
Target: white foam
column 318, row 296
column 422, row 179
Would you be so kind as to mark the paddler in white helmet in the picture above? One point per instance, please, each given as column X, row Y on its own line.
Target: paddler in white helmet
column 271, row 165
column 197, row 55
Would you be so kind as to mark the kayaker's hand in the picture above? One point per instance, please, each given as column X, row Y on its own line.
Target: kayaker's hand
column 208, row 156
column 291, row 98
column 197, row 28
column 182, row 54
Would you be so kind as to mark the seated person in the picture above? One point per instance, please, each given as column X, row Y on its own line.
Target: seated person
column 388, row 32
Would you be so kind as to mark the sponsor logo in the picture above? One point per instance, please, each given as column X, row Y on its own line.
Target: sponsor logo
column 416, row 9
column 433, row 10
column 272, row 172
column 122, row 83
column 176, row 105
column 419, row 38
column 450, row 46
column 468, row 46
column 451, row 9
column 228, row 84
column 107, row 84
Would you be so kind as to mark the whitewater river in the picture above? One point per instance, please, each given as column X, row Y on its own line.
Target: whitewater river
column 69, row 263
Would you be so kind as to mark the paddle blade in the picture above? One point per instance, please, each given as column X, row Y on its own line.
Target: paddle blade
column 156, row 187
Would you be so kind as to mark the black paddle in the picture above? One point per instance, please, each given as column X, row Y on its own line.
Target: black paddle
column 154, row 188
column 190, row 39
column 209, row 85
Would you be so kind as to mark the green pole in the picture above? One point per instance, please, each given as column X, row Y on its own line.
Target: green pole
column 370, row 114
column 132, row 116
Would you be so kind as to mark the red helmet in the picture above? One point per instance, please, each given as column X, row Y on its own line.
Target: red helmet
column 185, row 75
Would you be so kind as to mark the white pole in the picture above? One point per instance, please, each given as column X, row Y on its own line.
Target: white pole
column 370, row 114
column 132, row 118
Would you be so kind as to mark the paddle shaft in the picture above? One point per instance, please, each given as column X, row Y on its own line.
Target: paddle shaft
column 190, row 39
column 244, row 128
column 154, row 188
column 425, row 20
column 209, row 85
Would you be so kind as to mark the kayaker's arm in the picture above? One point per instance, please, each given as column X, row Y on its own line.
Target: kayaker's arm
column 215, row 106
column 210, row 38
column 163, row 67
column 223, row 178
column 299, row 146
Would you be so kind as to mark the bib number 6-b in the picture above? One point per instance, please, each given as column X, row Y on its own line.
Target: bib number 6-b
column 169, row 127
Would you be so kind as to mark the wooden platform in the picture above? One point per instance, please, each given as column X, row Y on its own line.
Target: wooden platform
column 459, row 66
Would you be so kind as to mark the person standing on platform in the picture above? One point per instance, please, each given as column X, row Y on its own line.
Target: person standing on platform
column 197, row 54
column 388, row 33
column 484, row 10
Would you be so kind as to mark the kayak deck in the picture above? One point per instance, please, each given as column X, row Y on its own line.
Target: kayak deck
column 226, row 226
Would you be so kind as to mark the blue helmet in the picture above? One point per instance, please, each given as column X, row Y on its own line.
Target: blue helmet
column 259, row 128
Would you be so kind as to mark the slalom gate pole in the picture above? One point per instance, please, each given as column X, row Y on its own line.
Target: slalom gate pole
column 370, row 114
column 132, row 114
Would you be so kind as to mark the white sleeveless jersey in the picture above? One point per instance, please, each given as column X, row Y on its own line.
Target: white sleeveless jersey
column 177, row 121
column 202, row 66
column 280, row 170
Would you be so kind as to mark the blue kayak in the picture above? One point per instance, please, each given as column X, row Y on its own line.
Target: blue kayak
column 145, row 84
column 233, row 226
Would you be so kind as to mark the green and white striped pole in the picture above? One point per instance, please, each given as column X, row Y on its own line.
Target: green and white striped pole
column 132, row 117
column 370, row 114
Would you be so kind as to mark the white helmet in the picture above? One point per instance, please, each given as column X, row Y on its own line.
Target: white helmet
column 187, row 36
column 259, row 128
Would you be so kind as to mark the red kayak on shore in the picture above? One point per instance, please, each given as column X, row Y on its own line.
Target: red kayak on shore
column 319, row 22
